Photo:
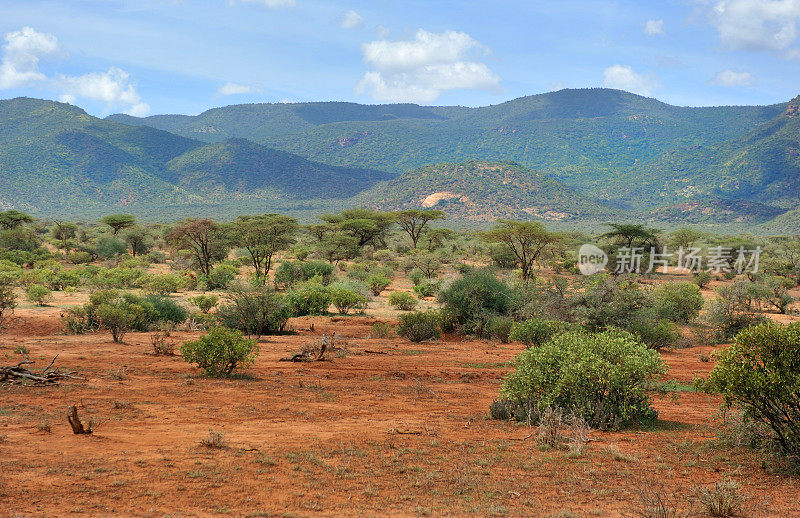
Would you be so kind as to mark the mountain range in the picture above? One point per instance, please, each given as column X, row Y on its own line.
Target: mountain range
column 572, row 155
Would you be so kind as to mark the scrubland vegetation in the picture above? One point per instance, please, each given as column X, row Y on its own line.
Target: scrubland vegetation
column 558, row 360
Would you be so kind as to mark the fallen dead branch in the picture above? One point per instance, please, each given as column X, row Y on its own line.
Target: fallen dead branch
column 20, row 374
column 313, row 352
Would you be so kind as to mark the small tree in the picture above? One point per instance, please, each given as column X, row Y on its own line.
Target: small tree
column 137, row 237
column 203, row 239
column 263, row 236
column 118, row 317
column 220, row 351
column 64, row 231
column 165, row 284
column 527, row 240
column 414, row 222
column 38, row 294
column 204, row 303
column 8, row 299
column 760, row 374
column 118, row 222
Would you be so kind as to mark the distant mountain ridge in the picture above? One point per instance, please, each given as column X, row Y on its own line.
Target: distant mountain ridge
column 561, row 156
column 57, row 159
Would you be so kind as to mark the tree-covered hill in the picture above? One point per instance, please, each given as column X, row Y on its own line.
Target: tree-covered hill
column 484, row 191
column 56, row 159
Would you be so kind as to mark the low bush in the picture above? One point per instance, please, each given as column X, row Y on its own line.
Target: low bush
column 427, row 288
column 309, row 298
column 472, row 300
column 536, row 331
column 499, row 328
column 204, row 303
column 419, row 326
column 402, row 301
column 677, row 301
column 255, row 310
column 657, row 334
column 165, row 284
column 703, row 279
column 38, row 294
column 220, row 351
column 345, row 299
column 601, row 377
column 380, row 330
column 222, row 276
column 760, row 374
column 378, row 283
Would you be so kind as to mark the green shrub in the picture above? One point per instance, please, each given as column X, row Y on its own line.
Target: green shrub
column 221, row 276
column 220, row 351
column 419, row 326
column 601, row 377
column 79, row 257
column 427, row 288
column 321, row 269
column 475, row 298
column 378, row 283
column 38, row 294
column 535, row 331
column 159, row 308
column 380, row 330
column 402, row 301
column 110, row 247
column 731, row 311
column 346, row 299
column 760, row 374
column 499, row 328
column 118, row 317
column 255, row 310
column 656, row 334
column 677, row 302
column 309, row 298
column 288, row 273
column 8, row 299
column 416, row 276
column 204, row 303
column 702, row 279
column 165, row 284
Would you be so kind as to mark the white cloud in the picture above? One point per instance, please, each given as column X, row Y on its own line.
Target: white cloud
column 235, row 89
column 112, row 87
column 21, row 54
column 732, row 78
column 419, row 70
column 20, row 67
column 755, row 24
column 654, row 28
column 270, row 4
column 351, row 20
column 623, row 77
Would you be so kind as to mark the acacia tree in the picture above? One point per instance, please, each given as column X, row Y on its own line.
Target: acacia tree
column 136, row 238
column 527, row 240
column 13, row 218
column 64, row 231
column 413, row 222
column 203, row 238
column 262, row 236
column 368, row 227
column 630, row 234
column 118, row 222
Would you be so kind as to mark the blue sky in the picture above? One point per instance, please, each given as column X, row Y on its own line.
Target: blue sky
column 185, row 56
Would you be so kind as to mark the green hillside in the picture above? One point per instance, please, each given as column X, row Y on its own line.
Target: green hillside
column 57, row 160
column 483, row 191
